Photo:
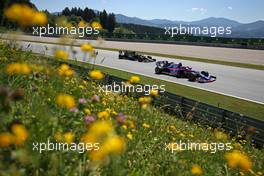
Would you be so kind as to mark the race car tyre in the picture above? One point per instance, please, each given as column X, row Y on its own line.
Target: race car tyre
column 192, row 78
column 178, row 75
column 140, row 59
column 157, row 70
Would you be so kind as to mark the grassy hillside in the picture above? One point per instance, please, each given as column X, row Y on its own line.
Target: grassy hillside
column 42, row 101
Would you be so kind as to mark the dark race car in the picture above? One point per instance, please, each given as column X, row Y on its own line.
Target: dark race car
column 170, row 68
column 134, row 56
column 180, row 71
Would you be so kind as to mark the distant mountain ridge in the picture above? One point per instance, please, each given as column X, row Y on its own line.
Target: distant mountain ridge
column 240, row 30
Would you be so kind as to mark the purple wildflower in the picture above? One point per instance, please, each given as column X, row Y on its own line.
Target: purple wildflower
column 121, row 118
column 89, row 119
column 75, row 110
column 95, row 98
column 82, row 101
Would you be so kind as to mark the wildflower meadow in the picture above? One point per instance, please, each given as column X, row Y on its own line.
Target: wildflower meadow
column 55, row 121
column 43, row 100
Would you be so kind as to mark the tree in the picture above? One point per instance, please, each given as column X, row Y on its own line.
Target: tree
column 79, row 12
column 74, row 11
column 111, row 22
column 66, row 12
column 103, row 19
column 88, row 14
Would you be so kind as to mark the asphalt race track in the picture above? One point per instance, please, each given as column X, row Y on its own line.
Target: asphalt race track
column 238, row 82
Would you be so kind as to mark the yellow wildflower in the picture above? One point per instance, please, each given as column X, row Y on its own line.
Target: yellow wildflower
column 87, row 111
column 66, row 101
column 58, row 137
column 154, row 92
column 124, row 127
column 88, row 138
column 114, row 113
column 64, row 67
column 81, row 87
column 69, row 73
column 65, row 70
column 96, row 74
column 144, row 106
column 145, row 125
column 96, row 25
column 101, row 128
column 20, row 134
column 87, row 48
column 82, row 24
column 129, row 136
column 114, row 145
column 196, row 170
column 6, row 139
column 103, row 115
column 238, row 159
column 172, row 128
column 18, row 68
column 13, row 12
column 102, row 132
column 108, row 110
column 40, row 19
column 134, row 79
column 85, row 82
column 219, row 135
column 60, row 54
column 68, row 137
column 24, row 15
column 145, row 100
column 98, row 155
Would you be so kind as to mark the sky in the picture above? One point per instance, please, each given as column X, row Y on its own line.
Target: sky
column 244, row 11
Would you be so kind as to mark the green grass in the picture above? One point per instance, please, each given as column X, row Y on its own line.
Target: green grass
column 244, row 107
column 234, row 64
column 144, row 154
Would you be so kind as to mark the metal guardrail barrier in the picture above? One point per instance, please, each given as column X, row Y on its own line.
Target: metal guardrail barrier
column 188, row 109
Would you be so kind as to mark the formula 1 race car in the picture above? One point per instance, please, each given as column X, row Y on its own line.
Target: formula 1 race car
column 134, row 56
column 180, row 71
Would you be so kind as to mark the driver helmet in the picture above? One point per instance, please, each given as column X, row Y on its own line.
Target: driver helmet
column 180, row 64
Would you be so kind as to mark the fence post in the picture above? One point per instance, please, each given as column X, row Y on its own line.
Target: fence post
column 182, row 105
column 223, row 120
